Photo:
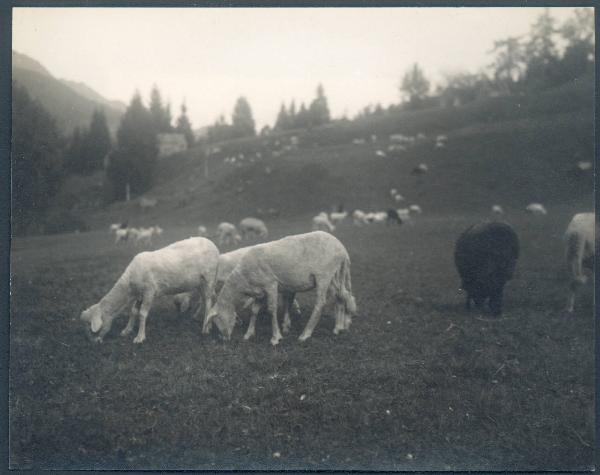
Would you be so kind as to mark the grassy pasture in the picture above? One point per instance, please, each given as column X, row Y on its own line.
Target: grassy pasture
column 417, row 383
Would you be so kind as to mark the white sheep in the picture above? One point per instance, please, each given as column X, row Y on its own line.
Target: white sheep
column 321, row 223
column 420, row 169
column 536, row 209
column 497, row 210
column 202, row 231
column 180, row 267
column 584, row 166
column 380, row 153
column 337, row 217
column 398, row 198
column 393, row 192
column 580, row 251
column 404, row 214
column 299, row 263
column 415, row 209
column 254, row 226
column 359, row 217
column 144, row 235
column 121, row 235
column 228, row 234
column 228, row 262
column 113, row 227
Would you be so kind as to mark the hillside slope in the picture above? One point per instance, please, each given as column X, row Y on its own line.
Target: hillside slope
column 509, row 151
column 67, row 106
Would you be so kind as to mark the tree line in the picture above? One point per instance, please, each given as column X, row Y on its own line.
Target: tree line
column 549, row 55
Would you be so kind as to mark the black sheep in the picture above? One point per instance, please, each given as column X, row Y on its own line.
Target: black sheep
column 485, row 256
column 393, row 216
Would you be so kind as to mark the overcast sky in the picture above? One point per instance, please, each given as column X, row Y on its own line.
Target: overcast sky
column 209, row 57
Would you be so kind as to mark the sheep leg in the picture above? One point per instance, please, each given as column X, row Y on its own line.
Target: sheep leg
column 251, row 331
column 340, row 317
column 272, row 307
column 316, row 313
column 144, row 310
column 288, row 302
column 571, row 299
column 132, row 317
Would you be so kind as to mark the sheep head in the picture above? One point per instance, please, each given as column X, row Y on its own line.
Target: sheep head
column 97, row 324
column 224, row 319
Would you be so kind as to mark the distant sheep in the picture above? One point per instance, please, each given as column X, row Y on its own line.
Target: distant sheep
column 497, row 210
column 202, row 231
column 420, row 169
column 227, row 234
column 536, row 209
column 321, row 223
column 147, row 203
column 290, row 265
column 393, row 217
column 580, row 252
column 183, row 266
column 584, row 166
column 253, row 226
column 337, row 217
column 359, row 217
column 144, row 235
column 398, row 198
column 485, row 256
column 415, row 209
column 380, row 153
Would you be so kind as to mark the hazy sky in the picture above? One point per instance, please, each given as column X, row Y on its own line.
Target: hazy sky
column 212, row 56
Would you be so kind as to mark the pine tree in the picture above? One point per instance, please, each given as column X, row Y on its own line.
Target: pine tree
column 74, row 151
column 184, row 127
column 415, row 85
column 242, row 120
column 319, row 110
column 282, row 122
column 95, row 144
column 36, row 161
column 134, row 160
column 161, row 116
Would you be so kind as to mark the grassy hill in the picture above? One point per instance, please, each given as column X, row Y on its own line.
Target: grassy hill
column 510, row 151
column 68, row 104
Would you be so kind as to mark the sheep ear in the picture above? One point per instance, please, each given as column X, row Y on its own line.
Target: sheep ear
column 96, row 323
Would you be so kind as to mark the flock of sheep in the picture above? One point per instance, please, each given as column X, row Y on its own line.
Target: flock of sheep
column 269, row 275
column 251, row 279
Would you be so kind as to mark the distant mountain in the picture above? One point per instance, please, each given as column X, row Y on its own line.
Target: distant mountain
column 84, row 90
column 21, row 61
column 70, row 103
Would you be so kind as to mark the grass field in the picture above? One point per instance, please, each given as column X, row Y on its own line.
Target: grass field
column 416, row 384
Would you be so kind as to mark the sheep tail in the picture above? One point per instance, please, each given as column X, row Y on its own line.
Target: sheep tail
column 345, row 286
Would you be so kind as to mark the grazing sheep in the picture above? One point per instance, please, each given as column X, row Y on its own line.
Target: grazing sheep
column 114, row 227
column 497, row 210
column 403, row 213
column 393, row 216
column 485, row 256
column 358, row 141
column 393, row 192
column 146, row 203
column 202, row 231
column 420, row 169
column 415, row 209
column 227, row 234
column 580, row 252
column 380, row 153
column 536, row 209
column 337, row 217
column 398, row 198
column 254, row 226
column 144, row 235
column 228, row 262
column 180, row 267
column 321, row 223
column 584, row 166
column 123, row 234
column 359, row 217
column 290, row 265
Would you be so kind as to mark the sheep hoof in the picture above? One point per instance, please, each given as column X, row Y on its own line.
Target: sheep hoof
column 285, row 329
column 247, row 336
column 126, row 331
column 275, row 340
column 303, row 337
column 139, row 339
